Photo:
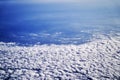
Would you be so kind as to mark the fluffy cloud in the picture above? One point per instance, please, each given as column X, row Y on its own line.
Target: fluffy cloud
column 96, row 60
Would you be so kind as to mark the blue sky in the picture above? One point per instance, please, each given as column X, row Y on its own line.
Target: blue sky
column 82, row 2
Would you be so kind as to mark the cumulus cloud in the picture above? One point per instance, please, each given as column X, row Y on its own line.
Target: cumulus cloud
column 96, row 60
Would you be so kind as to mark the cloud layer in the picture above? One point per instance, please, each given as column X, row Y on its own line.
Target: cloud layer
column 96, row 60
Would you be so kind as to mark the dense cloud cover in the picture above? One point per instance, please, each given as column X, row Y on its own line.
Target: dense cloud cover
column 97, row 60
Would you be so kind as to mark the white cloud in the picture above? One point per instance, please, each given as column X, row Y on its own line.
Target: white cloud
column 90, row 60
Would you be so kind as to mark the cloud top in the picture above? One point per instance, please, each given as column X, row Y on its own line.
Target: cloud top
column 89, row 61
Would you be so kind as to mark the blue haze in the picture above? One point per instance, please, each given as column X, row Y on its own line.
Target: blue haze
column 55, row 23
